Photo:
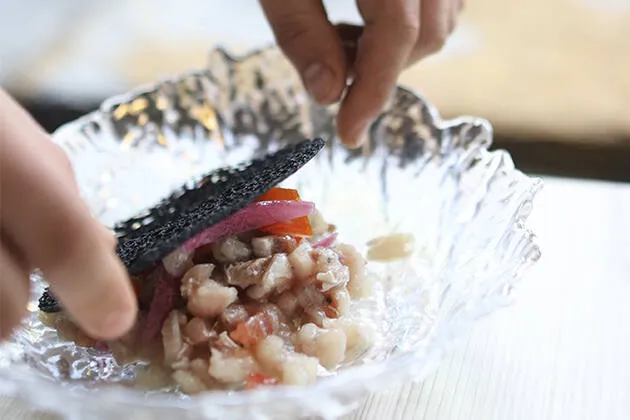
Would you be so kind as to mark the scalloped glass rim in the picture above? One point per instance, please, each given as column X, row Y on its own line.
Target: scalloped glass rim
column 410, row 130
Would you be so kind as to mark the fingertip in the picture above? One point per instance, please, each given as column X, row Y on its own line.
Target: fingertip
column 118, row 312
column 111, row 325
column 104, row 306
column 353, row 134
column 116, row 324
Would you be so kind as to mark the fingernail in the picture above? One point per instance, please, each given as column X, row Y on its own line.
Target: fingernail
column 319, row 81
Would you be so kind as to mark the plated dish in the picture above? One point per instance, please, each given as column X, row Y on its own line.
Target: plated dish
column 257, row 298
column 429, row 188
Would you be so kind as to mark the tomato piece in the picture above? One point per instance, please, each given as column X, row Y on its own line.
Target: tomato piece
column 279, row 194
column 250, row 332
column 254, row 380
column 298, row 227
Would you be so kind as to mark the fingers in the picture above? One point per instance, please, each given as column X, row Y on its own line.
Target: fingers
column 45, row 218
column 437, row 21
column 396, row 34
column 455, row 10
column 14, row 290
column 350, row 35
column 310, row 41
column 390, row 33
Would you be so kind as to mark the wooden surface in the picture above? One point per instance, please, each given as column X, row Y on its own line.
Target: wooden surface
column 560, row 352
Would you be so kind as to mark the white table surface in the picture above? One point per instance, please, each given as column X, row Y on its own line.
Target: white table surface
column 561, row 351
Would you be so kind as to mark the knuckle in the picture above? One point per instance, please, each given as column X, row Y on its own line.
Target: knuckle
column 409, row 28
column 435, row 40
column 290, row 32
column 405, row 27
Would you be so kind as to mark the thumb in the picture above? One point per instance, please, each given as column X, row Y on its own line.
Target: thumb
column 312, row 44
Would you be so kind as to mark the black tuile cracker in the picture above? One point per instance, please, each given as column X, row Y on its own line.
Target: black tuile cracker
column 145, row 239
column 48, row 303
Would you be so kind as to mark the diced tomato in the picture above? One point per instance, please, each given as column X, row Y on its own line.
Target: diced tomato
column 254, row 380
column 250, row 332
column 299, row 227
column 257, row 327
column 275, row 194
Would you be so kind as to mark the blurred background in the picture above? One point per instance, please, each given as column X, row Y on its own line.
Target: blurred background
column 553, row 76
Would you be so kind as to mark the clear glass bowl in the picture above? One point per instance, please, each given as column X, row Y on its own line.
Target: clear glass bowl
column 465, row 206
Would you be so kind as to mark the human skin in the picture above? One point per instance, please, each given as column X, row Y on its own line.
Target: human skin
column 395, row 34
column 45, row 224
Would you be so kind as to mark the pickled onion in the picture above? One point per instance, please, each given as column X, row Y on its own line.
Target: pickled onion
column 164, row 296
column 254, row 216
column 326, row 242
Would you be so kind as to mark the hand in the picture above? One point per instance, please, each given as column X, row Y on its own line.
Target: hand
column 396, row 34
column 45, row 224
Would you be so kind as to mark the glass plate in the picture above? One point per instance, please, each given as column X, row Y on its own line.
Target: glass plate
column 465, row 206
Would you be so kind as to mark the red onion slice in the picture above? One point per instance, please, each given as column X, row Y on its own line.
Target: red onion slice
column 252, row 217
column 164, row 296
column 326, row 242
